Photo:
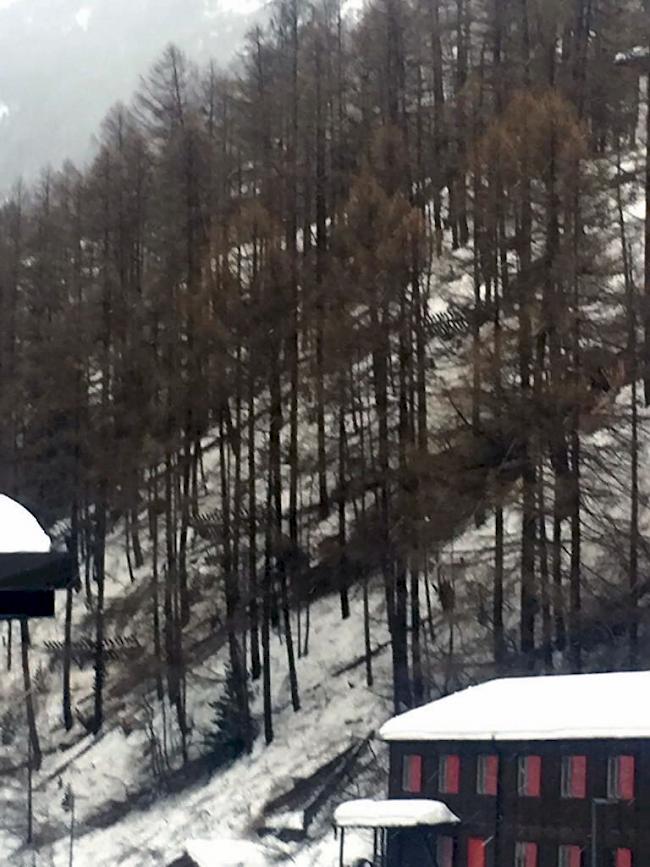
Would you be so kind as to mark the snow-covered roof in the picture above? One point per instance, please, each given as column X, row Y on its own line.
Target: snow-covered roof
column 615, row 705
column 222, row 852
column 20, row 532
column 405, row 813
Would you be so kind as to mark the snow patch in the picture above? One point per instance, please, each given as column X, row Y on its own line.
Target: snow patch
column 83, row 17
column 238, row 7
column 226, row 853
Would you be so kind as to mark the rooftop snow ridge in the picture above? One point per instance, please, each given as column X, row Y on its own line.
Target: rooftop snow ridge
column 556, row 707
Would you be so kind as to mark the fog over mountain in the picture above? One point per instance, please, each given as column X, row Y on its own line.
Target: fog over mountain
column 65, row 62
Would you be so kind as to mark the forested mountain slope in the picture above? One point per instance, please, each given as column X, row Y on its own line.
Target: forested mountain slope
column 346, row 354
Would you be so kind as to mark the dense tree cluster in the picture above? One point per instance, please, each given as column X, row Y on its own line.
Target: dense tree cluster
column 257, row 257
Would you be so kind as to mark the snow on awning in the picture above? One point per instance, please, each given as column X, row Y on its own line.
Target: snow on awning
column 556, row 707
column 393, row 814
column 20, row 532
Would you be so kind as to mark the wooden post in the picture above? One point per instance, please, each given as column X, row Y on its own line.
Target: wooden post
column 68, row 806
column 71, row 833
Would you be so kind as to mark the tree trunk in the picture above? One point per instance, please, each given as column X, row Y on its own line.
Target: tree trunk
column 155, row 580
column 237, row 657
column 35, row 746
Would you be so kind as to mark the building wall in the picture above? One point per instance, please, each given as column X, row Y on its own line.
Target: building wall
column 548, row 820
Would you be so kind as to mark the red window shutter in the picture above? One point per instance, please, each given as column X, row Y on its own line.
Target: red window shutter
column 531, row 854
column 412, row 774
column 415, row 773
column 452, row 768
column 475, row 852
column 626, row 777
column 575, row 856
column 578, row 776
column 491, row 774
column 623, row 858
column 534, row 776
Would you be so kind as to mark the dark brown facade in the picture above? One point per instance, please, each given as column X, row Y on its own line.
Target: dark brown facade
column 550, row 819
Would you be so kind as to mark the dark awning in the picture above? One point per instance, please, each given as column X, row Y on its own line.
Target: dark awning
column 51, row 571
column 26, row 604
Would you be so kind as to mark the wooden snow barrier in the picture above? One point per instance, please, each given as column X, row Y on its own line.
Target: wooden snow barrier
column 84, row 649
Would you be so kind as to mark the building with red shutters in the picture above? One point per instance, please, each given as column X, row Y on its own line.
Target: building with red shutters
column 541, row 772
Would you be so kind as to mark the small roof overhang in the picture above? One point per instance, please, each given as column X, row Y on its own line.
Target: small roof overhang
column 407, row 813
column 34, row 571
column 27, row 562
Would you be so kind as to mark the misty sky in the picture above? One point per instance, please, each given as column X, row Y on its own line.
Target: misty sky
column 63, row 63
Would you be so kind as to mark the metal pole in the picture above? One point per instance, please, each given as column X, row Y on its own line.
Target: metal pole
column 341, row 845
column 594, row 849
column 595, row 803
column 374, row 846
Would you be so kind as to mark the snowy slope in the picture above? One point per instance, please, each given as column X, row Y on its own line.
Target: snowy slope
column 336, row 709
column 109, row 773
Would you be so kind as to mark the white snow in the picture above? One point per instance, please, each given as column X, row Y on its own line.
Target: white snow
column 615, row 705
column 83, row 17
column 240, row 7
column 20, row 532
column 222, row 852
column 366, row 813
column 639, row 52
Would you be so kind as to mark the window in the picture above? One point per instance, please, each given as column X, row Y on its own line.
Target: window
column 569, row 856
column 574, row 777
column 529, row 776
column 449, row 774
column 526, row 855
column 476, row 852
column 445, row 852
column 412, row 774
column 620, row 777
column 487, row 772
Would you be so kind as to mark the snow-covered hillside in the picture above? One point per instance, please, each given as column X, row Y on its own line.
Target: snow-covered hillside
column 110, row 775
column 120, row 817
column 129, row 815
